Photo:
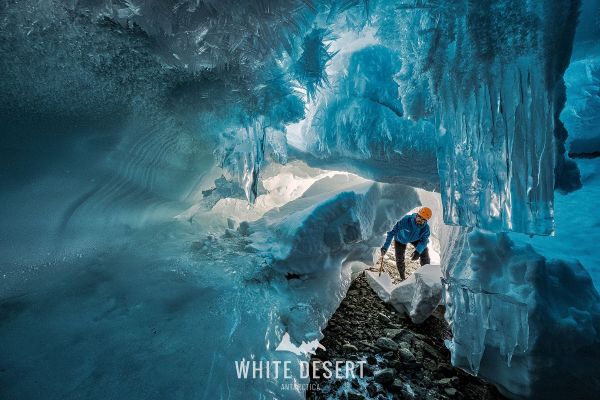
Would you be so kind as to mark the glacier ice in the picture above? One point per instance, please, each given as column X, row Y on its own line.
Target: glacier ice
column 134, row 135
column 493, row 86
column 392, row 91
column 581, row 116
column 358, row 124
column 298, row 240
column 160, row 304
column 520, row 319
column 524, row 310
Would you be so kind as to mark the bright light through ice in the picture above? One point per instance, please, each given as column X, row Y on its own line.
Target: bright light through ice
column 286, row 183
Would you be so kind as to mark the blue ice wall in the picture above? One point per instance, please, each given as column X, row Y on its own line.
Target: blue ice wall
column 232, row 73
column 359, row 124
column 495, row 75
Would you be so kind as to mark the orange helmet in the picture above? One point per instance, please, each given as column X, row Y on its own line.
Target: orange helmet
column 425, row 213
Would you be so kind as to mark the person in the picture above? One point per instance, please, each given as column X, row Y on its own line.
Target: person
column 413, row 229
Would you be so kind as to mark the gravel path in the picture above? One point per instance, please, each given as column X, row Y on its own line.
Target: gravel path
column 401, row 360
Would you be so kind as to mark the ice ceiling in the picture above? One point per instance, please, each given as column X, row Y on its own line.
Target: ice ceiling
column 473, row 88
column 121, row 115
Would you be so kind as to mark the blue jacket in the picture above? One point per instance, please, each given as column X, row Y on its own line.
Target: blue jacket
column 407, row 231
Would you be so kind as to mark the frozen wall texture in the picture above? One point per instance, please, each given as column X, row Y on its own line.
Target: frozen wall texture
column 528, row 323
column 489, row 80
column 494, row 70
column 142, row 124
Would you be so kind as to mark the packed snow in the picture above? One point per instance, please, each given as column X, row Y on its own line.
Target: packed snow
column 416, row 297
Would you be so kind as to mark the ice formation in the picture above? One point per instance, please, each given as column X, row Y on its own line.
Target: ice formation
column 325, row 229
column 528, row 323
column 494, row 87
column 582, row 113
column 156, row 191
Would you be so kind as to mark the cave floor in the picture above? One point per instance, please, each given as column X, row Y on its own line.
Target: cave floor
column 401, row 360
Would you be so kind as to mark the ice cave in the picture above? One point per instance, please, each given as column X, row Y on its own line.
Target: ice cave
column 191, row 188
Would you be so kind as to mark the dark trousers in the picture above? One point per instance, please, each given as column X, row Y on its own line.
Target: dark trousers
column 400, row 248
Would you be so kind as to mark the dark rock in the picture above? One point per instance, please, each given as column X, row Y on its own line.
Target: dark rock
column 419, row 336
column 372, row 389
column 397, row 386
column 411, row 365
column 371, row 360
column 386, row 343
column 355, row 396
column 384, row 318
column 430, row 364
column 393, row 333
column 355, row 384
column 404, row 345
column 349, row 347
column 447, row 381
column 368, row 344
column 406, row 354
column 432, row 351
column 385, row 376
column 446, row 369
column 450, row 391
column 437, row 374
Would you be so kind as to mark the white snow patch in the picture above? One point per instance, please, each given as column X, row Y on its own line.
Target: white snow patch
column 416, row 297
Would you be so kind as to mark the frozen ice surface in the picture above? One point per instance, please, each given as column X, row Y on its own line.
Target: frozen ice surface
column 492, row 85
column 166, row 319
column 427, row 294
column 232, row 73
column 168, row 312
column 577, row 220
column 325, row 228
column 382, row 284
column 358, row 125
column 528, row 323
column 581, row 114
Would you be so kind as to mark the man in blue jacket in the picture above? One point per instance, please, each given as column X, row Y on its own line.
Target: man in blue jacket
column 411, row 229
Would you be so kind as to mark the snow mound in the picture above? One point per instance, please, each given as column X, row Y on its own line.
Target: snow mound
column 382, row 284
column 416, row 297
column 323, row 229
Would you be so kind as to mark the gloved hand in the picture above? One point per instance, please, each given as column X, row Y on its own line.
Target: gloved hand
column 415, row 255
column 383, row 251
